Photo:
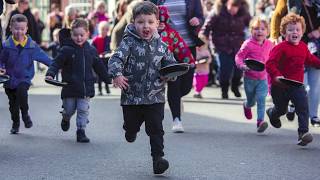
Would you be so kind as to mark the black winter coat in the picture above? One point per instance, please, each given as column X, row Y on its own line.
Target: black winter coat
column 77, row 64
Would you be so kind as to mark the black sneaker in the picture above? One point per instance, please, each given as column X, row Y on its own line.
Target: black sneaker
column 65, row 123
column 130, row 137
column 27, row 122
column 160, row 165
column 275, row 122
column 315, row 121
column 291, row 112
column 236, row 92
column 304, row 139
column 198, row 96
column 15, row 128
column 81, row 136
column 225, row 96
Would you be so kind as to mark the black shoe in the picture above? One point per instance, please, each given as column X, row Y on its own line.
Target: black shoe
column 27, row 122
column 65, row 124
column 130, row 137
column 14, row 130
column 15, row 127
column 236, row 92
column 275, row 122
column 304, row 139
column 315, row 121
column 160, row 165
column 81, row 136
column 198, row 96
column 225, row 96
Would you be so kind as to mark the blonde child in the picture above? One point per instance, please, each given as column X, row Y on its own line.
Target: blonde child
column 102, row 44
column 257, row 47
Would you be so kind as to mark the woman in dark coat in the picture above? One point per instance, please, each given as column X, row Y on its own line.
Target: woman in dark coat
column 226, row 27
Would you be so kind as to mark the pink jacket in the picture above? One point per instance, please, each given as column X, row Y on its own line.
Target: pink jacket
column 251, row 49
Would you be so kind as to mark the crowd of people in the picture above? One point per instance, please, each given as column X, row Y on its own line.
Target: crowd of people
column 215, row 38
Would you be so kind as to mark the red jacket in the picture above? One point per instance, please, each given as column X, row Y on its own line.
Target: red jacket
column 288, row 60
column 174, row 41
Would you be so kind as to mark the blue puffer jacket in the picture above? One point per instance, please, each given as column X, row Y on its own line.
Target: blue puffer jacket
column 19, row 65
column 77, row 64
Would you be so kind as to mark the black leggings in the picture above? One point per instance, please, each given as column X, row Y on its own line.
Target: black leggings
column 179, row 88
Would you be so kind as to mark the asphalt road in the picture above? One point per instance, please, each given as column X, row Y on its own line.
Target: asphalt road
column 219, row 144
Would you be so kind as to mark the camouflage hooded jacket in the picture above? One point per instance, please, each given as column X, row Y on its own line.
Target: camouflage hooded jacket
column 139, row 61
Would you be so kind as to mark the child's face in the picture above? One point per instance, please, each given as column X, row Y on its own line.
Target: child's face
column 104, row 31
column 19, row 30
column 259, row 32
column 79, row 36
column 146, row 25
column 232, row 9
column 294, row 33
column 162, row 25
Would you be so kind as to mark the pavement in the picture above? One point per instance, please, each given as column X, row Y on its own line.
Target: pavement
column 218, row 143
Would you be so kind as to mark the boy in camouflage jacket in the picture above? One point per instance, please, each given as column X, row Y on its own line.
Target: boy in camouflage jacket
column 135, row 69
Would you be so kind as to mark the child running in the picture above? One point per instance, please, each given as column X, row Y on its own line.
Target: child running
column 135, row 69
column 258, row 48
column 16, row 60
column 201, row 75
column 102, row 44
column 77, row 58
column 288, row 60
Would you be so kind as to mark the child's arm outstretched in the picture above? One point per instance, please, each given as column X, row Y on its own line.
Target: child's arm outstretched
column 312, row 60
column 41, row 56
column 116, row 64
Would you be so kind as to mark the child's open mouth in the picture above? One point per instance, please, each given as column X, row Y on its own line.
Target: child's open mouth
column 146, row 33
column 294, row 37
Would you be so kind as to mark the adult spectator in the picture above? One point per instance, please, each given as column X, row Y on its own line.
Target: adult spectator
column 55, row 19
column 226, row 25
column 186, row 17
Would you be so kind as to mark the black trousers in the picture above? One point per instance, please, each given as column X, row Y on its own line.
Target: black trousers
column 179, row 88
column 18, row 100
column 298, row 96
column 152, row 115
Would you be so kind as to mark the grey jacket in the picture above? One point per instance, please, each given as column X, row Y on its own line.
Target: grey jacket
column 140, row 61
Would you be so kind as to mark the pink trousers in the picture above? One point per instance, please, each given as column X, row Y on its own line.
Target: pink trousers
column 200, row 80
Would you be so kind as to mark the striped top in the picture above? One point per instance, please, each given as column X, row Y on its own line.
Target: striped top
column 178, row 12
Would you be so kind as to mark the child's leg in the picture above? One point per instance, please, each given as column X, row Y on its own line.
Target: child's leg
column 154, row 115
column 82, row 105
column 69, row 108
column 22, row 95
column 13, row 107
column 100, row 85
column 300, row 100
column 250, row 90
column 280, row 100
column 200, row 81
column 261, row 94
column 133, row 118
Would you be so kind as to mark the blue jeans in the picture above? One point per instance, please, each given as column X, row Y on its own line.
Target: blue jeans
column 256, row 91
column 298, row 96
column 70, row 105
column 312, row 81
